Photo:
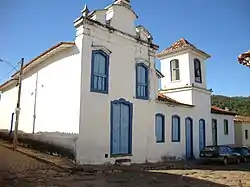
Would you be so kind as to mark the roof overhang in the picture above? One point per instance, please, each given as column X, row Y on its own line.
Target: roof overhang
column 159, row 74
column 167, row 100
column 201, row 53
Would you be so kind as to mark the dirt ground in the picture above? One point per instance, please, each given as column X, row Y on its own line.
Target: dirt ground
column 20, row 170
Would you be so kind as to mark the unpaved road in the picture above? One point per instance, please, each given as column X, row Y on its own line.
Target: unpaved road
column 20, row 170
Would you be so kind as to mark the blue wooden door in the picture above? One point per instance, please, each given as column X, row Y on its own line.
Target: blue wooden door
column 115, row 128
column 189, row 138
column 202, row 134
column 120, row 128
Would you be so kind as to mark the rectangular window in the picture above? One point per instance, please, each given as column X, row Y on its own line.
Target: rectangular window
column 175, row 71
column 176, row 129
column 99, row 72
column 160, row 128
column 246, row 134
column 225, row 126
column 142, row 91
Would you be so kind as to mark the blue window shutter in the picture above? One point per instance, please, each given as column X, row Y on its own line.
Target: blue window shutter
column 160, row 128
column 142, row 90
column 176, row 128
column 99, row 72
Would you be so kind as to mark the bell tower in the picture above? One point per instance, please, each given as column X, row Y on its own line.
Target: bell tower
column 183, row 66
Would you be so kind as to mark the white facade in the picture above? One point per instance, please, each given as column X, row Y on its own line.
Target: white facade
column 66, row 103
column 223, row 137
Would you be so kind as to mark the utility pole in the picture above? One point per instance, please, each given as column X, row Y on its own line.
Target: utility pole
column 18, row 105
column 34, row 114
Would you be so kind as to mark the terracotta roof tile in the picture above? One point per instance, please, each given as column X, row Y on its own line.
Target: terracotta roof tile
column 178, row 45
column 244, row 58
column 167, row 99
column 239, row 118
column 217, row 110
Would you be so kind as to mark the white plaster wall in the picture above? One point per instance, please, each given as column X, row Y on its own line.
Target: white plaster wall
column 94, row 141
column 58, row 100
column 122, row 19
column 157, row 150
column 221, row 137
column 246, row 126
column 7, row 107
column 181, row 95
column 184, row 67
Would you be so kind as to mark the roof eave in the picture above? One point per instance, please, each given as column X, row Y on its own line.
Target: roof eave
column 159, row 73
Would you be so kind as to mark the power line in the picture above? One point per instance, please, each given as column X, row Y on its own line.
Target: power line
column 6, row 76
column 1, row 60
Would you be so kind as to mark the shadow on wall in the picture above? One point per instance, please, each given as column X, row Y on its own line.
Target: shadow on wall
column 60, row 145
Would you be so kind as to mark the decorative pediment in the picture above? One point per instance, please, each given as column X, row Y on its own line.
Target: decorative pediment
column 101, row 47
column 141, row 60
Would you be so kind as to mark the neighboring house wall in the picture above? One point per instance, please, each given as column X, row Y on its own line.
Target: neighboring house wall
column 222, row 137
column 58, row 95
column 246, row 127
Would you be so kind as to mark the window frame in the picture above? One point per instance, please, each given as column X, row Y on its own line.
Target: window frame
column 179, row 129
column 246, row 134
column 226, row 127
column 176, row 70
column 106, row 87
column 199, row 69
column 145, row 97
column 162, row 127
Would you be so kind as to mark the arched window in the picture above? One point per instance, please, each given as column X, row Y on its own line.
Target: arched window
column 141, row 81
column 99, row 71
column 175, row 71
column 197, row 71
column 160, row 128
column 176, row 128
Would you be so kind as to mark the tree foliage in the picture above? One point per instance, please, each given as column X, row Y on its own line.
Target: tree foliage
column 240, row 105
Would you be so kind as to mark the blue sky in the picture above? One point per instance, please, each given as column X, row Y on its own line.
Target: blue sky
column 219, row 27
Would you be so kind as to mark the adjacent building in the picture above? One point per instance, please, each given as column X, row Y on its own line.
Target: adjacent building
column 101, row 93
column 242, row 130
